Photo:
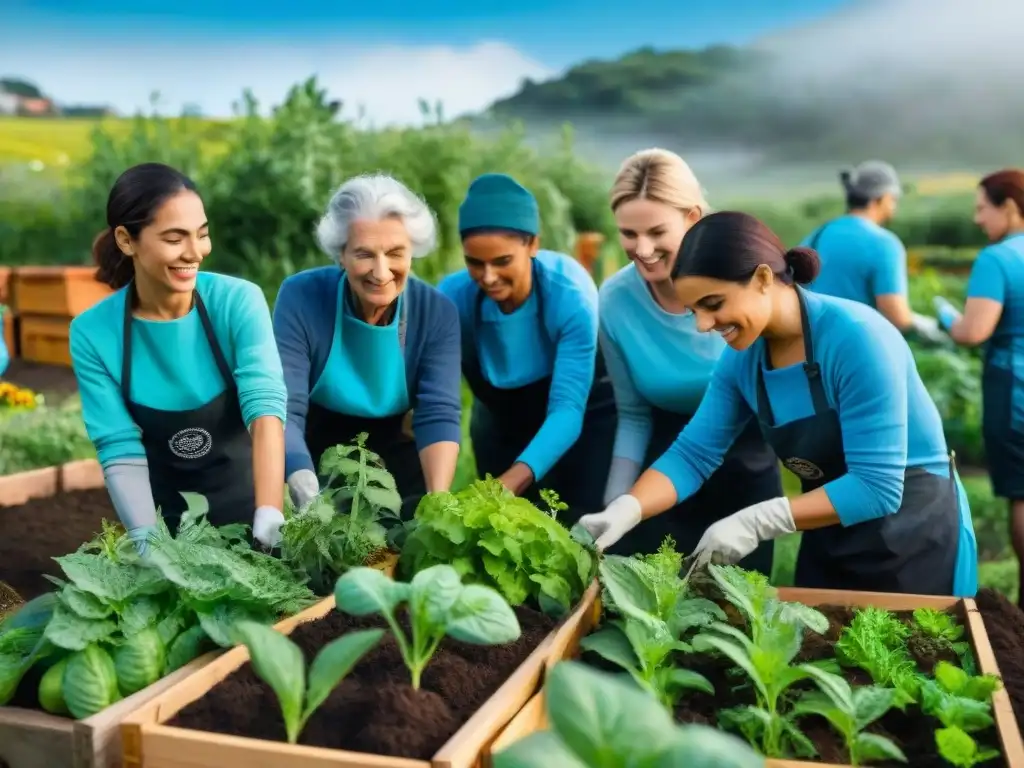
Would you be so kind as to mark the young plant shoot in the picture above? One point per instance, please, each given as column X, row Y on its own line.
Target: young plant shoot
column 437, row 604
column 279, row 663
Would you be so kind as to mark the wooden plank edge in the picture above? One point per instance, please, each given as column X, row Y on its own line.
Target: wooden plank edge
column 17, row 489
column 1002, row 709
column 531, row 718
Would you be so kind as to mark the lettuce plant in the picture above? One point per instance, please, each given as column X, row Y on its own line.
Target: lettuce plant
column 876, row 641
column 850, row 711
column 599, row 721
column 653, row 617
column 437, row 604
column 279, row 663
column 958, row 748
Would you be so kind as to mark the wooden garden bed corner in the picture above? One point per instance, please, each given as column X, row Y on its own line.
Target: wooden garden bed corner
column 148, row 743
column 532, row 717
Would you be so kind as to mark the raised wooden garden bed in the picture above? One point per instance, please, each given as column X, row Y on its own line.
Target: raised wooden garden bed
column 154, row 738
column 533, row 717
column 49, row 481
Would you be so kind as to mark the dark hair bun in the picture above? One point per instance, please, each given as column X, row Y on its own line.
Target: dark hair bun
column 804, row 264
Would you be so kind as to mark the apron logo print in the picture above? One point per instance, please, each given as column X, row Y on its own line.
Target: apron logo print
column 803, row 468
column 191, row 443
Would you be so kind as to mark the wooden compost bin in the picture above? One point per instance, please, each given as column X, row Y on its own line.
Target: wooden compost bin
column 55, row 291
column 150, row 744
column 533, row 717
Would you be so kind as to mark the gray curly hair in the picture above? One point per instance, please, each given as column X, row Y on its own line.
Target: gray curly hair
column 375, row 197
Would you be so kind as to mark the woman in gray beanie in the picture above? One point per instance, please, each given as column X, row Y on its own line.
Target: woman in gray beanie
column 860, row 259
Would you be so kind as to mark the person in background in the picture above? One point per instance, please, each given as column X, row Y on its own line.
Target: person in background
column 994, row 313
column 5, row 355
column 835, row 390
column 860, row 259
column 181, row 384
column 543, row 407
column 660, row 361
column 363, row 341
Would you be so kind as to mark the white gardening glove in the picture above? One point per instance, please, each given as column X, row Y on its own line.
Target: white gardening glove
column 926, row 327
column 736, row 536
column 618, row 519
column 266, row 526
column 303, row 485
column 948, row 314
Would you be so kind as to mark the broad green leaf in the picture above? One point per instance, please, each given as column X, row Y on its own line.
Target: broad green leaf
column 333, row 662
column 605, row 720
column 433, row 592
column 870, row 702
column 629, row 593
column 219, row 621
column 817, row 703
column 84, row 604
column 834, row 686
column 140, row 614
column 736, row 654
column 481, row 616
column 702, row 747
column 380, row 477
column 613, row 646
column 279, row 663
column 542, row 749
column 385, row 498
column 950, row 677
column 871, row 747
column 805, row 615
column 684, row 678
column 363, row 591
column 70, row 631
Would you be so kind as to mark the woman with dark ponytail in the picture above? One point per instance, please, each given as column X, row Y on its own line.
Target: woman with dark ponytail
column 835, row 391
column 181, row 383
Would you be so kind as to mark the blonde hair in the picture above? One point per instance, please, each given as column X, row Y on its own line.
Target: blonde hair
column 659, row 175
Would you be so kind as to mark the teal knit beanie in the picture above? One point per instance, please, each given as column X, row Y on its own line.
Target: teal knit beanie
column 497, row 201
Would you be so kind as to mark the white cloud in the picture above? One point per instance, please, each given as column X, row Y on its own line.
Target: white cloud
column 386, row 81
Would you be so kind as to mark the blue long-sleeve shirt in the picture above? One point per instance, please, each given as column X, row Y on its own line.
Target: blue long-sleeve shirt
column 655, row 359
column 173, row 367
column 860, row 261
column 306, row 327
column 520, row 348
column 998, row 274
column 888, row 420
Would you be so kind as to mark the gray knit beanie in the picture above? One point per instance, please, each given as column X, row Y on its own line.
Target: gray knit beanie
column 871, row 179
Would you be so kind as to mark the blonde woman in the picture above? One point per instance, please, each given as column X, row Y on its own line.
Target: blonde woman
column 660, row 363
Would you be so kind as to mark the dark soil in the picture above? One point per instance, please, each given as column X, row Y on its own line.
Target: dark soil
column 913, row 732
column 33, row 533
column 375, row 709
column 55, row 382
column 1004, row 624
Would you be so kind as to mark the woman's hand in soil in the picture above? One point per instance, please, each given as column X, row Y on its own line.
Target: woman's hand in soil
column 266, row 526
column 517, row 478
column 618, row 519
column 739, row 534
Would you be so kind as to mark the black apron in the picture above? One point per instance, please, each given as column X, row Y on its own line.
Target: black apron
column 504, row 421
column 1002, row 422
column 206, row 450
column 912, row 551
column 748, row 475
column 386, row 436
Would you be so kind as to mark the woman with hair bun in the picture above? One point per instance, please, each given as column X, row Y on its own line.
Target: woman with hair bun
column 994, row 315
column 180, row 380
column 660, row 362
column 836, row 393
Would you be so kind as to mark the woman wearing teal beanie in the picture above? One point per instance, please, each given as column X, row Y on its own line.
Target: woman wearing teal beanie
column 543, row 406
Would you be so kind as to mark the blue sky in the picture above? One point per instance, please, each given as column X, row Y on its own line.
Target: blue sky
column 380, row 55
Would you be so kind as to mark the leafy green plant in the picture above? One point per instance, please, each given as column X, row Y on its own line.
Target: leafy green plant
column 341, row 527
column 957, row 747
column 437, row 604
column 942, row 630
column 958, row 699
column 875, row 641
column 493, row 537
column 654, row 615
column 850, row 711
column 280, row 664
column 598, row 721
column 122, row 622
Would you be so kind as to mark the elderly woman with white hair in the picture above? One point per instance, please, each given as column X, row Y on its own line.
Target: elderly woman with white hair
column 363, row 342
